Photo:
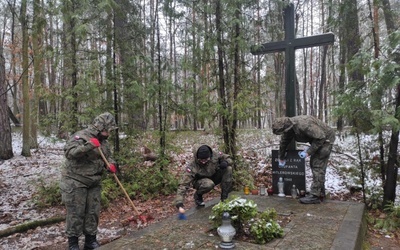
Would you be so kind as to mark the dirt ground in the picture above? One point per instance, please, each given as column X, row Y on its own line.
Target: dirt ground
column 119, row 219
column 19, row 176
column 377, row 239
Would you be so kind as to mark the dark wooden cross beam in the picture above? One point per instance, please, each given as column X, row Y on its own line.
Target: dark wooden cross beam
column 289, row 45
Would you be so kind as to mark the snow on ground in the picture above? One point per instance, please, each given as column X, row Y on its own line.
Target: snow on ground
column 19, row 175
column 18, row 179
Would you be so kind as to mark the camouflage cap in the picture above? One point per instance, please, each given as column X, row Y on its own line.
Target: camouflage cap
column 281, row 125
column 105, row 121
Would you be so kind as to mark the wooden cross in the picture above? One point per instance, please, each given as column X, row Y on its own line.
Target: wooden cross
column 289, row 45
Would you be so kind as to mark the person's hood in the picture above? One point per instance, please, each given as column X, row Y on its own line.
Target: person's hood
column 196, row 149
column 105, row 121
column 281, row 125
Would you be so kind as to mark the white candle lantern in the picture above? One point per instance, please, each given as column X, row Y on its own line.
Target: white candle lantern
column 226, row 232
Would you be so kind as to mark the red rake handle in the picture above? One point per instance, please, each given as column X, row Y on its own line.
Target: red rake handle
column 119, row 183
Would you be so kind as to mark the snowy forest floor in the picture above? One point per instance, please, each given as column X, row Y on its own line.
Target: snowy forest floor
column 19, row 177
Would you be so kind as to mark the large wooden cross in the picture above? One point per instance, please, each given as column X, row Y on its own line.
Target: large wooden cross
column 289, row 45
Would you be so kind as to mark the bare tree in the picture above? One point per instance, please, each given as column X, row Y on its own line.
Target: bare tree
column 322, row 85
column 390, row 184
column 37, row 35
column 5, row 130
column 26, row 148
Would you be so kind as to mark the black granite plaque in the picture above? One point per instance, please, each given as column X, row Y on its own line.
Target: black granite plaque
column 294, row 172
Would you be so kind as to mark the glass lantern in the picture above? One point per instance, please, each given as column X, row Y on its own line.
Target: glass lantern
column 226, row 232
column 246, row 190
column 262, row 189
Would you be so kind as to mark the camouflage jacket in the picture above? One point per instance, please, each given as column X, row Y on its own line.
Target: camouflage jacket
column 83, row 161
column 309, row 129
column 194, row 171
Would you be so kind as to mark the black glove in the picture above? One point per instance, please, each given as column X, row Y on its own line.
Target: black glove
column 179, row 205
column 223, row 164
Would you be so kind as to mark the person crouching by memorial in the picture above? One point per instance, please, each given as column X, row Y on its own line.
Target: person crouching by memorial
column 207, row 169
column 81, row 180
column 306, row 128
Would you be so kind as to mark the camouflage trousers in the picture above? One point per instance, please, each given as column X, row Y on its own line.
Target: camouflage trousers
column 83, row 207
column 222, row 176
column 318, row 164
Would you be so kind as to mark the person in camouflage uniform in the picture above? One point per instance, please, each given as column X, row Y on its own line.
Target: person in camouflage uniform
column 305, row 128
column 81, row 179
column 207, row 169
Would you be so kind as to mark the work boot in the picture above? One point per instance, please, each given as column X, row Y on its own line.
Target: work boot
column 73, row 243
column 310, row 199
column 198, row 199
column 91, row 242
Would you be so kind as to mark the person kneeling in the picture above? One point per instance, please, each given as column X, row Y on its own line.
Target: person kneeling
column 203, row 173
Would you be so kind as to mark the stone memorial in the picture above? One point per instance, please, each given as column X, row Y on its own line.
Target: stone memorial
column 294, row 172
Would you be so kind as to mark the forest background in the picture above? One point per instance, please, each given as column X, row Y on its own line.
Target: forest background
column 186, row 65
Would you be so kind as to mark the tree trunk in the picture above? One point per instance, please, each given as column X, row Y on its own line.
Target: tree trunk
column 51, row 64
column 73, row 43
column 376, row 102
column 221, row 75
column 389, row 190
column 342, row 71
column 322, row 85
column 194, row 71
column 258, row 79
column 390, row 17
column 390, row 184
column 25, row 84
column 15, row 107
column 353, row 40
column 236, row 86
column 37, row 68
column 30, row 225
column 13, row 118
column 6, row 151
column 162, row 107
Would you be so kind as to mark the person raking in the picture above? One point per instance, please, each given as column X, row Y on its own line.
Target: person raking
column 81, row 180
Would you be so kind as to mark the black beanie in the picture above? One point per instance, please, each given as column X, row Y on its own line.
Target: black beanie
column 203, row 152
